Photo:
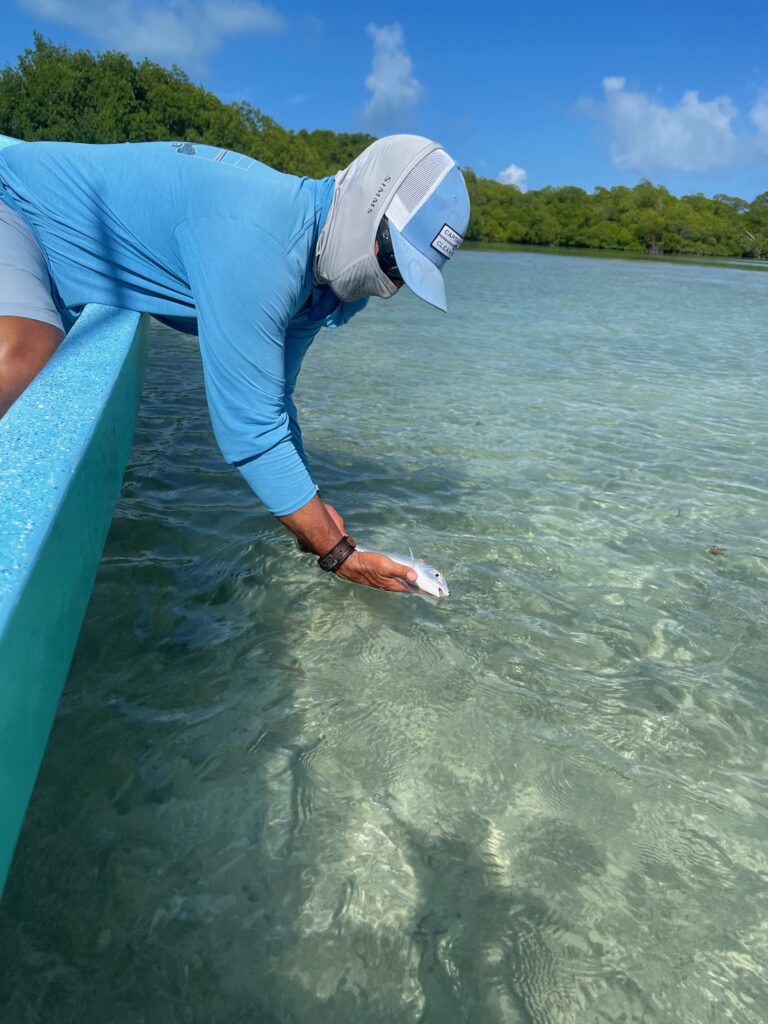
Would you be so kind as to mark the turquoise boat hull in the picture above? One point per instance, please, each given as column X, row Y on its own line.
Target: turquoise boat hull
column 63, row 449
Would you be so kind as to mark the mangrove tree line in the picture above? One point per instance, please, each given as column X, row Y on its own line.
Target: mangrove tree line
column 57, row 93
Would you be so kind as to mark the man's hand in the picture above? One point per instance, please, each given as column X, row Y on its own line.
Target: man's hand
column 374, row 570
column 318, row 527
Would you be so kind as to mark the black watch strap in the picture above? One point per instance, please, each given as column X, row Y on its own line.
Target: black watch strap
column 338, row 554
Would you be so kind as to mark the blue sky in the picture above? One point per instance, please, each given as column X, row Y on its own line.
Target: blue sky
column 537, row 94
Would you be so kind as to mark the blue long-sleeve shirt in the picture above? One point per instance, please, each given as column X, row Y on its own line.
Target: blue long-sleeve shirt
column 192, row 233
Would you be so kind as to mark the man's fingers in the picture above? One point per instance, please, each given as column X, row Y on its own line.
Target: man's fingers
column 374, row 570
column 390, row 575
column 389, row 583
column 392, row 581
column 403, row 572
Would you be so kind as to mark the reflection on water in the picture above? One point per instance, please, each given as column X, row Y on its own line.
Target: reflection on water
column 270, row 796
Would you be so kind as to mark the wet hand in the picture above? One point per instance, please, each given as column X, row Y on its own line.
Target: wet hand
column 371, row 569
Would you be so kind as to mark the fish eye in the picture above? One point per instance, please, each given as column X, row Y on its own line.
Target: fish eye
column 437, row 575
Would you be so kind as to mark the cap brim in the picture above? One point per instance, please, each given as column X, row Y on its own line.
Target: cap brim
column 420, row 274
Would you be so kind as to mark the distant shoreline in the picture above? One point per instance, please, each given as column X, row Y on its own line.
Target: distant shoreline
column 736, row 262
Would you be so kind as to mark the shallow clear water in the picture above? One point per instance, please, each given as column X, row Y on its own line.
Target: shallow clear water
column 271, row 796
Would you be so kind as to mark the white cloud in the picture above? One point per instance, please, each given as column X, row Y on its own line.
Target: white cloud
column 759, row 116
column 394, row 89
column 649, row 137
column 183, row 31
column 514, row 175
column 230, row 17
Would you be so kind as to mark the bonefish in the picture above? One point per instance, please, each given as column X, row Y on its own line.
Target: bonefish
column 428, row 580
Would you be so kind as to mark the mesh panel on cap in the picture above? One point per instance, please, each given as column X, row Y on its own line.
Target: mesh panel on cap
column 423, row 179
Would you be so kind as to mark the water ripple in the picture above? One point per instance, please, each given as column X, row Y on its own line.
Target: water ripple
column 273, row 796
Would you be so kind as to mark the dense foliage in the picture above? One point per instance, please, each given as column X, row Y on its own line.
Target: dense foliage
column 55, row 93
column 646, row 218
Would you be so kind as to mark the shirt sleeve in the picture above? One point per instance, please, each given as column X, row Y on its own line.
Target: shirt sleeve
column 298, row 338
column 245, row 285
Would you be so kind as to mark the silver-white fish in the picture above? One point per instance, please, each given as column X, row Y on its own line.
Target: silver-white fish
column 429, row 582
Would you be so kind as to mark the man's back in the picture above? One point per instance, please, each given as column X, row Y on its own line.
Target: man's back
column 108, row 217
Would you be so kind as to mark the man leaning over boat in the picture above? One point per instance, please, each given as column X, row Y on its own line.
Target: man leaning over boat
column 254, row 261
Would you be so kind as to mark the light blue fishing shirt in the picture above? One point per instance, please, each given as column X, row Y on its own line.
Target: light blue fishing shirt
column 210, row 241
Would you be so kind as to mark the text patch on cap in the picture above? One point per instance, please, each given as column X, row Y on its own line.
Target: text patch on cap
column 446, row 241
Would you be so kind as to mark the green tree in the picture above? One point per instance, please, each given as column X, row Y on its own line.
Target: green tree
column 57, row 93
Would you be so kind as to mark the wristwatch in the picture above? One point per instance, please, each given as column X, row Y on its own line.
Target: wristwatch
column 338, row 554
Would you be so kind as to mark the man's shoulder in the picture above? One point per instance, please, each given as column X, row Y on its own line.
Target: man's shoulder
column 259, row 199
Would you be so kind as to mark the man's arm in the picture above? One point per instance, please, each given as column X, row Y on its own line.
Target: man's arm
column 244, row 288
column 244, row 296
column 298, row 338
column 25, row 347
column 317, row 526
